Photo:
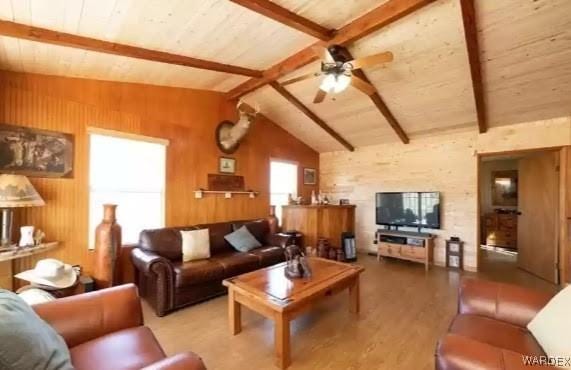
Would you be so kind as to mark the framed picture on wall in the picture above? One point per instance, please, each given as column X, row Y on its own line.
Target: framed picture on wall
column 227, row 165
column 309, row 176
column 504, row 188
column 36, row 153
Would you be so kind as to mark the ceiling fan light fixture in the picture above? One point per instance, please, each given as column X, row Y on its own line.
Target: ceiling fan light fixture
column 342, row 82
column 335, row 82
column 328, row 83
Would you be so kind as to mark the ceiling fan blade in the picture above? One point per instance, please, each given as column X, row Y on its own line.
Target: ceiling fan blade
column 365, row 87
column 301, row 78
column 319, row 97
column 371, row 60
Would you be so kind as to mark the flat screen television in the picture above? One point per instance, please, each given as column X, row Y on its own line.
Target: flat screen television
column 412, row 209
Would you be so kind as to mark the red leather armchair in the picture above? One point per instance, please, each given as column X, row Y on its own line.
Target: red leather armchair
column 104, row 330
column 490, row 331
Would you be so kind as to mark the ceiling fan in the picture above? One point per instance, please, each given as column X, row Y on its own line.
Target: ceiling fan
column 338, row 71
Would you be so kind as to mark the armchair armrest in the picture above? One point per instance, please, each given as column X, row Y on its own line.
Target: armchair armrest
column 84, row 317
column 182, row 361
column 279, row 240
column 505, row 302
column 145, row 261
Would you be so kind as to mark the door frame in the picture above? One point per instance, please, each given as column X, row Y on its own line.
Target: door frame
column 563, row 237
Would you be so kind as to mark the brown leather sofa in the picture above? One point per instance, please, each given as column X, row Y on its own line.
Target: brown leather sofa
column 489, row 331
column 104, row 330
column 168, row 283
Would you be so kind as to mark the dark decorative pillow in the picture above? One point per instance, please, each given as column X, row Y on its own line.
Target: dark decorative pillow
column 242, row 240
column 26, row 341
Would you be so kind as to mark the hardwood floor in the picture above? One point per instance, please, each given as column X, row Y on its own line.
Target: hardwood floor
column 404, row 310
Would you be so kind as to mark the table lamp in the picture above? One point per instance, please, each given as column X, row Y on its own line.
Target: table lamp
column 16, row 191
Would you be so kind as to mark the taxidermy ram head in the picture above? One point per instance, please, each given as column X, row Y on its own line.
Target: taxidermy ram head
column 229, row 135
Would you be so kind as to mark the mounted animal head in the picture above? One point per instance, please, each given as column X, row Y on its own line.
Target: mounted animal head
column 229, row 135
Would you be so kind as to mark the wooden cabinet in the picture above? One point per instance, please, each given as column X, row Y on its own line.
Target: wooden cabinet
column 319, row 221
column 415, row 253
column 500, row 230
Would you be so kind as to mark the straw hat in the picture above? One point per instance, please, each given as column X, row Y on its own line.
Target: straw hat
column 50, row 272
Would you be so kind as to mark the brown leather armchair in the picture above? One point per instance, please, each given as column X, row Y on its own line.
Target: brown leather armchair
column 168, row 283
column 104, row 330
column 490, row 331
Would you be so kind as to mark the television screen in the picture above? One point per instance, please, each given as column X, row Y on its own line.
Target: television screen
column 408, row 209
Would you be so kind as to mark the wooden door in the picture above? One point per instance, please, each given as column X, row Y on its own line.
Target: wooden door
column 538, row 225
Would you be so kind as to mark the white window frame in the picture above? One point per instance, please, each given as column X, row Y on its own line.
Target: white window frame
column 120, row 135
column 294, row 195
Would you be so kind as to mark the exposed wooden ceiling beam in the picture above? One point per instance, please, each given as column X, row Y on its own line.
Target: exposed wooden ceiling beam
column 377, row 100
column 385, row 14
column 284, row 16
column 21, row 31
column 299, row 105
column 471, row 35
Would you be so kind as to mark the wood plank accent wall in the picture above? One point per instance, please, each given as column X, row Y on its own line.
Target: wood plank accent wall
column 187, row 118
column 446, row 163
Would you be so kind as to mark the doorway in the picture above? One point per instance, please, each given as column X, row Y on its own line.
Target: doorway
column 519, row 202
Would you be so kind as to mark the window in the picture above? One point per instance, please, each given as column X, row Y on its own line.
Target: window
column 283, row 181
column 129, row 172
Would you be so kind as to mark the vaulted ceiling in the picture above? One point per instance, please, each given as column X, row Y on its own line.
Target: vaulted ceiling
column 523, row 47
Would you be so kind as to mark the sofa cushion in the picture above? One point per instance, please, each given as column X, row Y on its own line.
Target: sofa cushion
column 242, row 240
column 122, row 350
column 551, row 326
column 236, row 263
column 496, row 333
column 26, row 341
column 258, row 228
column 166, row 242
column 195, row 244
column 268, row 256
column 217, row 232
column 197, row 272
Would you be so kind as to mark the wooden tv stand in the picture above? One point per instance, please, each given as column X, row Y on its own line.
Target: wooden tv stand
column 409, row 252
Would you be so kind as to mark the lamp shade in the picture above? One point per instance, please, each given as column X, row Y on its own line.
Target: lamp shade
column 18, row 191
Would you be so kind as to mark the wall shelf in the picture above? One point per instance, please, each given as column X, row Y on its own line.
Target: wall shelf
column 198, row 194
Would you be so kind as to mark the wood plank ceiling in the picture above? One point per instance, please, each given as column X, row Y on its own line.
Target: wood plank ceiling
column 523, row 47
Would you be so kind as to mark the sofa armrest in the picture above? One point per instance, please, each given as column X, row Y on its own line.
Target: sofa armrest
column 504, row 302
column 87, row 316
column 279, row 240
column 145, row 261
column 182, row 361
column 458, row 352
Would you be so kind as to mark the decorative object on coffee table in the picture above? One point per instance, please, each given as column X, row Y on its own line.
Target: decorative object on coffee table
column 227, row 165
column 269, row 292
column 309, row 176
column 38, row 153
column 296, row 263
column 273, row 221
column 107, row 244
column 454, row 253
column 16, row 191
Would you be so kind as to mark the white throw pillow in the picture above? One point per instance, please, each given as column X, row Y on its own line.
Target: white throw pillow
column 195, row 244
column 551, row 327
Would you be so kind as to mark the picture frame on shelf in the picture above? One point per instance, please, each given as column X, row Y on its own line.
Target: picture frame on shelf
column 227, row 165
column 309, row 176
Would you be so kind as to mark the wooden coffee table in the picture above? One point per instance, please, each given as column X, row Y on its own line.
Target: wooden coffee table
column 269, row 292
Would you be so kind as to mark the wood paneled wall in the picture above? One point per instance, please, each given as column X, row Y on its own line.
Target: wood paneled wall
column 187, row 118
column 447, row 163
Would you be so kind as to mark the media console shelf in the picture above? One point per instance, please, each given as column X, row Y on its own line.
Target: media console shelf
column 405, row 245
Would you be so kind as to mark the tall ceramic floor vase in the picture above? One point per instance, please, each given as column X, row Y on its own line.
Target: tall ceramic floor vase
column 273, row 221
column 107, row 247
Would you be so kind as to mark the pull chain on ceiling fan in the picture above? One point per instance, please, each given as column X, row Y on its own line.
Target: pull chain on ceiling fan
column 339, row 75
